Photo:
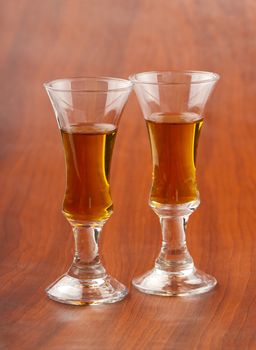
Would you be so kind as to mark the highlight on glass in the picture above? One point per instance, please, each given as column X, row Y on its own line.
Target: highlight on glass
column 87, row 111
column 173, row 107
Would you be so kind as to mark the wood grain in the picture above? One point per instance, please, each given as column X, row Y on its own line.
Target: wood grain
column 43, row 40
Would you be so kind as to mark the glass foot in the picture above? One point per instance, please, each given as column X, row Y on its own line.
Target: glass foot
column 70, row 290
column 160, row 282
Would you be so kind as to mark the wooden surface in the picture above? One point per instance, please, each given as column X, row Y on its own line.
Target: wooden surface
column 46, row 39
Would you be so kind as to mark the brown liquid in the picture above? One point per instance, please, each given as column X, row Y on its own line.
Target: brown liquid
column 174, row 139
column 88, row 150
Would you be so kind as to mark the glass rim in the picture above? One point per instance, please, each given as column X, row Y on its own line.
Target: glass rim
column 211, row 77
column 49, row 85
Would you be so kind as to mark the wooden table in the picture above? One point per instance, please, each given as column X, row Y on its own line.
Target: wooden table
column 46, row 39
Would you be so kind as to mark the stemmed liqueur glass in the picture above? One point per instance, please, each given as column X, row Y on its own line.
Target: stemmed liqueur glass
column 172, row 104
column 87, row 111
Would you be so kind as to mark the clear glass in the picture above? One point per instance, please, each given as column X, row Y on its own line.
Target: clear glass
column 87, row 112
column 172, row 104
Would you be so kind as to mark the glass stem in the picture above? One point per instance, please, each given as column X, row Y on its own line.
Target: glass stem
column 86, row 263
column 174, row 255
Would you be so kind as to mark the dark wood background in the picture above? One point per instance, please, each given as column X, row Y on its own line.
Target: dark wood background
column 42, row 40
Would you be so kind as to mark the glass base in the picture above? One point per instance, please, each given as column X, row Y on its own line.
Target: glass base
column 70, row 290
column 161, row 282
